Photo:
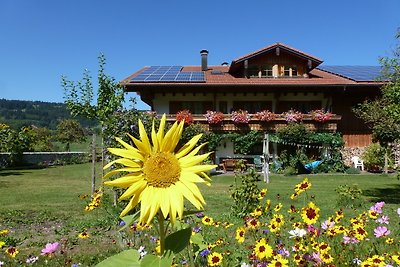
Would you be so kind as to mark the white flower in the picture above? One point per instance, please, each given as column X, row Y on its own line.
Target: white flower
column 297, row 232
column 245, row 265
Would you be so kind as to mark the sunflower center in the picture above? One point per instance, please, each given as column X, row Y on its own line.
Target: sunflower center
column 162, row 169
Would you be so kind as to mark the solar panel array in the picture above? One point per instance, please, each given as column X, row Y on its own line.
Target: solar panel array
column 357, row 73
column 168, row 74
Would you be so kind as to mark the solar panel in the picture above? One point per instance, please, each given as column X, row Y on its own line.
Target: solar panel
column 168, row 74
column 357, row 73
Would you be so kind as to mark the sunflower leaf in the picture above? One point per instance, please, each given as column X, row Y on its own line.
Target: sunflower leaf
column 127, row 258
column 178, row 241
column 129, row 220
column 155, row 261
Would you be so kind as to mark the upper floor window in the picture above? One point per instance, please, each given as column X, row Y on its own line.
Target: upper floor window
column 290, row 71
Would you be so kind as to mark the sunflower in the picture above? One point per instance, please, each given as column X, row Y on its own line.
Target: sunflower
column 158, row 176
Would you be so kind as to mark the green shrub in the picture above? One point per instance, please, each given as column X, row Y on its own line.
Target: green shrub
column 289, row 171
column 374, row 157
column 352, row 170
column 349, row 196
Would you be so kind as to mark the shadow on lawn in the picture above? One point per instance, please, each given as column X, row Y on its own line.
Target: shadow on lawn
column 9, row 173
column 390, row 194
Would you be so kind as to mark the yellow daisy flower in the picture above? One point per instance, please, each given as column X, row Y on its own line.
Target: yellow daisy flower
column 207, row 220
column 310, row 214
column 4, row 232
column 279, row 261
column 262, row 193
column 240, row 232
column 2, row 243
column 158, row 177
column 215, row 259
column 12, row 252
column 262, row 250
column 83, row 235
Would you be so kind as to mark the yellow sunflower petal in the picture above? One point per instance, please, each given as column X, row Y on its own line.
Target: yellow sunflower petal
column 191, row 177
column 125, row 153
column 125, row 144
column 177, row 136
column 160, row 133
column 134, row 189
column 140, row 145
column 165, row 204
column 200, row 168
column 144, row 138
column 111, row 173
column 187, row 193
column 195, row 190
column 132, row 203
column 193, row 160
column 196, row 150
column 154, row 139
column 188, row 146
column 167, row 141
column 124, row 181
column 123, row 161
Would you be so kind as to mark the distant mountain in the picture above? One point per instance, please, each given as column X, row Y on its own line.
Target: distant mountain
column 20, row 113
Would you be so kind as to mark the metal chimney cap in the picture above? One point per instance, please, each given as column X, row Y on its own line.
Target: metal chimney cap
column 204, row 51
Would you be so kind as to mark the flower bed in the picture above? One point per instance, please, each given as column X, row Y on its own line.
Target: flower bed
column 240, row 116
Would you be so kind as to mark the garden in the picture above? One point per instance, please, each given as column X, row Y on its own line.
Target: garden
column 49, row 218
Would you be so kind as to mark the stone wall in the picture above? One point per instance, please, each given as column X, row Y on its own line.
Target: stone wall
column 349, row 152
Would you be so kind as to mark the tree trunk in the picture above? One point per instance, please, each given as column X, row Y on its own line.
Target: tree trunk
column 94, row 163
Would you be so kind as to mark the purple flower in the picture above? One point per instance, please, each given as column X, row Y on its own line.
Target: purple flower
column 384, row 219
column 378, row 207
column 381, row 231
column 204, row 252
column 350, row 240
column 121, row 223
column 197, row 229
column 200, row 214
column 328, row 224
column 50, row 248
column 284, row 252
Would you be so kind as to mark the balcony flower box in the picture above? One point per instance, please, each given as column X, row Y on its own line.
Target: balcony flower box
column 293, row 116
column 320, row 115
column 265, row 116
column 184, row 115
column 214, row 117
column 240, row 117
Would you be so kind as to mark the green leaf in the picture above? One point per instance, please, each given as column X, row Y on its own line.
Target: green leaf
column 155, row 261
column 127, row 258
column 177, row 241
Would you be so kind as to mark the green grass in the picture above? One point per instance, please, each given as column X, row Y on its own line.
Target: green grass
column 43, row 205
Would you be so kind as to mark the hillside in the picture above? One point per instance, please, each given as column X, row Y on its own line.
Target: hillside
column 19, row 113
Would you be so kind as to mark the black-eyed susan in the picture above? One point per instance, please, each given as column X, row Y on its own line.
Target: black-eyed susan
column 240, row 234
column 310, row 214
column 12, row 252
column 262, row 193
column 83, row 235
column 159, row 176
column 207, row 220
column 2, row 243
column 214, row 259
column 279, row 261
column 262, row 250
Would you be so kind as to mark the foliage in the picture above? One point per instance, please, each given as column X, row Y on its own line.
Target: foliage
column 374, row 157
column 244, row 142
column 41, row 139
column 349, row 196
column 245, row 195
column 293, row 133
column 352, row 170
column 184, row 115
column 383, row 114
column 15, row 143
column 265, row 115
column 69, row 131
column 240, row 116
column 22, row 113
column 214, row 117
column 192, row 130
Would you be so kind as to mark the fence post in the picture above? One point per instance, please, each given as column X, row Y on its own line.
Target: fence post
column 93, row 163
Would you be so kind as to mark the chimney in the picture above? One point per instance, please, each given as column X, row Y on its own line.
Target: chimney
column 204, row 64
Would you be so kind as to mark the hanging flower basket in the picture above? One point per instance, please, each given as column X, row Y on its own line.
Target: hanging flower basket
column 240, row 116
column 320, row 115
column 214, row 117
column 293, row 116
column 184, row 115
column 265, row 116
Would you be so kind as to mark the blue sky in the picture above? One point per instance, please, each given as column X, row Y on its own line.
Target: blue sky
column 44, row 39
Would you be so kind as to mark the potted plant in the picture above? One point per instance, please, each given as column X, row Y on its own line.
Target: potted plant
column 293, row 116
column 184, row 115
column 320, row 115
column 265, row 116
column 240, row 116
column 214, row 117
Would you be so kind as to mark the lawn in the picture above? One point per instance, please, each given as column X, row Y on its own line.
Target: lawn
column 39, row 206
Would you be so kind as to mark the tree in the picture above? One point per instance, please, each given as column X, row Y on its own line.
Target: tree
column 382, row 115
column 40, row 139
column 69, row 131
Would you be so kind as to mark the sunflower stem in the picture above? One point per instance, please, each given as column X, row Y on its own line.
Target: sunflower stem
column 162, row 232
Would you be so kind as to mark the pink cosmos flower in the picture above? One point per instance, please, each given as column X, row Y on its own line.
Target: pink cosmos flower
column 50, row 248
column 328, row 224
column 378, row 207
column 381, row 231
column 384, row 219
column 350, row 240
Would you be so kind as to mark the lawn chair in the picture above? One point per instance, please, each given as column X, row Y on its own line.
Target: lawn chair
column 358, row 162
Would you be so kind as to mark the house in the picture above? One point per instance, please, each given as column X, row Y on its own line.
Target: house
column 276, row 78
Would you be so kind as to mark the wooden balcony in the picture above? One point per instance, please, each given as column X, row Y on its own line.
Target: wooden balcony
column 254, row 124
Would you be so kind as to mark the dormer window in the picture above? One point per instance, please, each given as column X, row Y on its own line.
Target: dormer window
column 267, row 71
column 290, row 71
column 260, row 71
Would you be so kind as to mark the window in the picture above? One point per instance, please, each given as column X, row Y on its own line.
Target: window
column 223, row 107
column 252, row 106
column 253, row 71
column 266, row 71
column 290, row 71
column 196, row 107
column 286, row 71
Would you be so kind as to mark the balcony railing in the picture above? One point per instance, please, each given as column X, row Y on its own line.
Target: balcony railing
column 255, row 124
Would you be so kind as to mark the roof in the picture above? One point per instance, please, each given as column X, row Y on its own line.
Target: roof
column 222, row 75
